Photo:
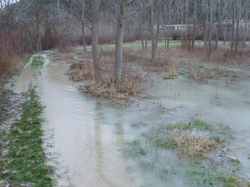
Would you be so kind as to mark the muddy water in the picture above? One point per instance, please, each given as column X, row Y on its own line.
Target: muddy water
column 88, row 136
column 215, row 103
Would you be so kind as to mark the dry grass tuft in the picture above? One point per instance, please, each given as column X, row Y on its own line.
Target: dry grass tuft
column 192, row 145
column 200, row 73
column 132, row 82
column 9, row 65
column 172, row 72
column 83, row 70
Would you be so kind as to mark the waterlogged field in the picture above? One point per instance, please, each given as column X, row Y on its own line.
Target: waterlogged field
column 187, row 126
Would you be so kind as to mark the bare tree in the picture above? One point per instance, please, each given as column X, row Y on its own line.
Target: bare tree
column 79, row 7
column 122, row 5
column 237, row 26
column 204, row 17
column 121, row 16
column 180, row 4
column 211, row 6
column 218, row 8
column 246, row 22
column 95, row 36
column 232, row 30
column 194, row 26
column 169, row 20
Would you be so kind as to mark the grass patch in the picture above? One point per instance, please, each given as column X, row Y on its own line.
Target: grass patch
column 211, row 177
column 139, row 124
column 192, row 145
column 135, row 148
column 199, row 74
column 37, row 62
column 83, row 70
column 26, row 61
column 218, row 139
column 25, row 161
column 198, row 124
column 187, row 139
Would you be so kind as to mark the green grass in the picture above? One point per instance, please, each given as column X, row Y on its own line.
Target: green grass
column 135, row 148
column 211, row 177
column 1, row 108
column 150, row 41
column 139, row 124
column 25, row 160
column 194, row 169
column 218, row 139
column 26, row 61
column 198, row 124
column 37, row 62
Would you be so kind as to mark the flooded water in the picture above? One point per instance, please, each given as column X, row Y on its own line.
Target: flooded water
column 89, row 136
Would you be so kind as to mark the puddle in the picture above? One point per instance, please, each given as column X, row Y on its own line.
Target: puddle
column 89, row 136
column 215, row 103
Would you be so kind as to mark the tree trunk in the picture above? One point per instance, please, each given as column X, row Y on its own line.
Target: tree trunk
column 218, row 30
column 187, row 24
column 59, row 22
column 146, row 42
column 119, row 42
column 151, row 19
column 210, row 28
column 95, row 36
column 156, row 40
column 237, row 27
column 169, row 21
column 194, row 27
column 225, row 26
column 37, row 27
column 245, row 30
column 232, row 37
column 205, row 26
column 182, row 34
column 142, row 38
column 83, row 27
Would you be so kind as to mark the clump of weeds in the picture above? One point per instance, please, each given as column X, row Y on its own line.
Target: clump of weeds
column 212, row 176
column 139, row 124
column 37, row 62
column 192, row 145
column 200, row 74
column 135, row 148
column 24, row 160
column 132, row 83
column 82, row 70
column 181, row 138
column 199, row 124
column 132, row 80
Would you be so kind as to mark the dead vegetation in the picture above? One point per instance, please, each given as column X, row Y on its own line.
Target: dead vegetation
column 132, row 82
column 200, row 73
column 137, row 63
column 192, row 145
column 82, row 70
column 193, row 140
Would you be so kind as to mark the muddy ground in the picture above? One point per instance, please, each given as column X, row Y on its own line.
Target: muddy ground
column 98, row 142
